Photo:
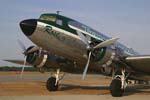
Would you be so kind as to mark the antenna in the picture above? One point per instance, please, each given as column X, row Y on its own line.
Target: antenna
column 58, row 12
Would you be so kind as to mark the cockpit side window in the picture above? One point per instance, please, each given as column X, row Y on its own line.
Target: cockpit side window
column 59, row 22
column 48, row 18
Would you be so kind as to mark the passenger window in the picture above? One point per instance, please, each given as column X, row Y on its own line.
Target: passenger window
column 59, row 22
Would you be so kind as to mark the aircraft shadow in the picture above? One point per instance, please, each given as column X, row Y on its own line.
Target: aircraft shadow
column 130, row 90
column 143, row 89
column 70, row 87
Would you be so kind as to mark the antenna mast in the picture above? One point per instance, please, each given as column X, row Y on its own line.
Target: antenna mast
column 58, row 12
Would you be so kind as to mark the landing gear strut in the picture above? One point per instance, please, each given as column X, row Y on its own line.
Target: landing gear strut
column 53, row 82
column 118, row 83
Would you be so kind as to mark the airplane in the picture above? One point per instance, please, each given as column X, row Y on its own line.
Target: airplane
column 66, row 44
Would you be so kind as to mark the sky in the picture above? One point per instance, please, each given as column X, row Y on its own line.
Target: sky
column 127, row 19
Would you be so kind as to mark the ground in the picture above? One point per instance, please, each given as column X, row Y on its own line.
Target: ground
column 33, row 85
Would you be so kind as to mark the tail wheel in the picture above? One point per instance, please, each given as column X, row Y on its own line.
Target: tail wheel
column 115, row 88
column 51, row 84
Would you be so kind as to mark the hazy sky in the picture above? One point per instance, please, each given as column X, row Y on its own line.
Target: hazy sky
column 127, row 19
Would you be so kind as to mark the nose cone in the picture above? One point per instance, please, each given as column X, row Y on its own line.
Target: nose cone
column 28, row 26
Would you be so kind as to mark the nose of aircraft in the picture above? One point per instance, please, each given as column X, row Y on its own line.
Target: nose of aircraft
column 28, row 26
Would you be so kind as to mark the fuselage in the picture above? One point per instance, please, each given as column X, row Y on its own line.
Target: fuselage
column 58, row 35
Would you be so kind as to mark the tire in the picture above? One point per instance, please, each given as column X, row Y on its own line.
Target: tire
column 115, row 88
column 50, row 85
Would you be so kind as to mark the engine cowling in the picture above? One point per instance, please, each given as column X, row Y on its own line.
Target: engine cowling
column 104, row 56
column 43, row 59
column 35, row 59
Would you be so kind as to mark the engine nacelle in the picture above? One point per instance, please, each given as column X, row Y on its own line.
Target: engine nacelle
column 43, row 59
column 104, row 56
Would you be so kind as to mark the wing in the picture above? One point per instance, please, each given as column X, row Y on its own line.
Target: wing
column 21, row 62
column 139, row 63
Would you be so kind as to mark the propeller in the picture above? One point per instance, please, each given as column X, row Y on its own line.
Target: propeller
column 22, row 45
column 84, row 39
column 91, row 49
column 21, row 74
column 87, row 65
column 26, row 52
column 106, row 43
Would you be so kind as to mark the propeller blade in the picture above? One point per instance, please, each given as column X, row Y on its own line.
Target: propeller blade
column 32, row 50
column 106, row 43
column 87, row 65
column 23, row 66
column 22, row 45
column 83, row 38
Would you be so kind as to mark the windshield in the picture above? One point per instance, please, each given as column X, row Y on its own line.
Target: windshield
column 48, row 18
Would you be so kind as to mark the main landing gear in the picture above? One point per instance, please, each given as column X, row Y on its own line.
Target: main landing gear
column 118, row 83
column 53, row 82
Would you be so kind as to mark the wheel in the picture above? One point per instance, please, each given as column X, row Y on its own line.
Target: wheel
column 115, row 88
column 50, row 85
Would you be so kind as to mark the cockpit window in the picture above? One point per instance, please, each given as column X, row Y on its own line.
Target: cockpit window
column 48, row 18
column 59, row 22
